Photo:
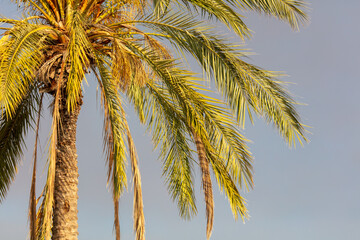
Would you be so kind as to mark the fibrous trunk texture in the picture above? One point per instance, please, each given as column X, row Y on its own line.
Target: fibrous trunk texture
column 65, row 226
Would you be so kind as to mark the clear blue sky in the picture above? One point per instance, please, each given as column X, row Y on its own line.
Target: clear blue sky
column 310, row 192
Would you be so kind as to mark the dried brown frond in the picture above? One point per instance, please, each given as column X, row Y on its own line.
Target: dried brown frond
column 126, row 67
column 206, row 184
column 157, row 47
column 139, row 219
column 45, row 213
column 32, row 202
column 116, row 219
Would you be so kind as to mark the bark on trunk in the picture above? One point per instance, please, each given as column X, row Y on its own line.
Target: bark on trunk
column 65, row 226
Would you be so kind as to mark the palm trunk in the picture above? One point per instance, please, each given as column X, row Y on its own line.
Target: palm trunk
column 65, row 226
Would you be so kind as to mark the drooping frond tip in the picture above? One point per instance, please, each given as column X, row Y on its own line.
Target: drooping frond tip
column 206, row 184
column 33, row 201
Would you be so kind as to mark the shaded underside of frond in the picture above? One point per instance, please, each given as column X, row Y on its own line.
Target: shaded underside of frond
column 12, row 134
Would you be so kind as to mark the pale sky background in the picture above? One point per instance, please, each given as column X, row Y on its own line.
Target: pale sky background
column 310, row 192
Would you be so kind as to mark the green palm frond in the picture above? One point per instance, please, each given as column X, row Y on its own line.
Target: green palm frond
column 125, row 43
column 291, row 11
column 114, row 130
column 164, row 121
column 12, row 134
column 116, row 125
column 191, row 107
column 243, row 85
column 218, row 9
column 229, row 142
column 227, row 185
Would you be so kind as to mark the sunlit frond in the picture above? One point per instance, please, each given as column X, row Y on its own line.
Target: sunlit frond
column 218, row 9
column 291, row 11
column 77, row 58
column 126, row 44
column 243, row 85
column 227, row 185
column 20, row 57
column 114, row 131
column 44, row 8
column 168, row 131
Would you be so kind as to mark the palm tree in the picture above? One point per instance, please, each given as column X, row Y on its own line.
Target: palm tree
column 125, row 44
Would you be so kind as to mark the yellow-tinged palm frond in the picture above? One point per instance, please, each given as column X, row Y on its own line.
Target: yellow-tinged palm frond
column 115, row 128
column 291, row 11
column 217, row 9
column 44, row 8
column 244, row 86
column 193, row 109
column 20, row 57
column 78, row 58
column 117, row 10
column 164, row 120
column 126, row 66
column 127, row 51
column 184, row 99
column 227, row 185
column 114, row 131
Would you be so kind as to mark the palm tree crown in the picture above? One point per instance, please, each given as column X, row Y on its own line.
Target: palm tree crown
column 126, row 45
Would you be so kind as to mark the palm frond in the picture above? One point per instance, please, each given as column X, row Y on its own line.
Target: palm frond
column 191, row 108
column 20, row 58
column 230, row 144
column 44, row 8
column 291, row 11
column 138, row 208
column 114, row 134
column 227, row 185
column 243, row 85
column 218, row 9
column 206, row 184
column 33, row 202
column 12, row 134
column 45, row 212
column 165, row 123
column 77, row 58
